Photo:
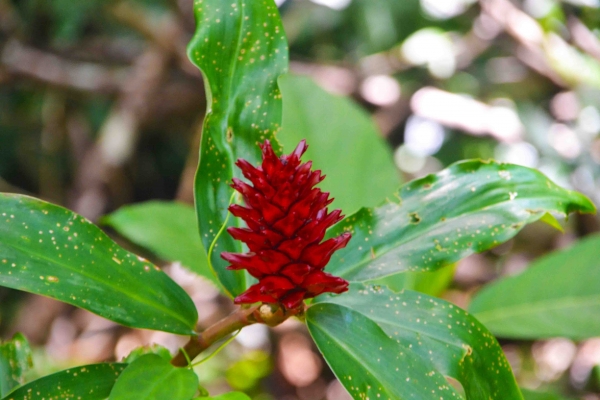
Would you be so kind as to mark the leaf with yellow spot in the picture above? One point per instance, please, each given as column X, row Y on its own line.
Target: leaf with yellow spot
column 438, row 332
column 49, row 250
column 435, row 221
column 368, row 362
column 15, row 361
column 90, row 382
column 241, row 48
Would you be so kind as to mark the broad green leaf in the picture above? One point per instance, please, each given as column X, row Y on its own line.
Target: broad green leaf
column 555, row 296
column 91, row 382
column 370, row 363
column 241, row 48
column 49, row 250
column 439, row 332
column 230, row 396
column 151, row 377
column 168, row 229
column 437, row 220
column 15, row 360
column 343, row 141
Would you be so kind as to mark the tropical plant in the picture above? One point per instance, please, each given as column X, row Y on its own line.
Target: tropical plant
column 264, row 241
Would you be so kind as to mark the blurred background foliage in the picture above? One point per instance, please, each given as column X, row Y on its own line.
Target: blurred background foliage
column 100, row 108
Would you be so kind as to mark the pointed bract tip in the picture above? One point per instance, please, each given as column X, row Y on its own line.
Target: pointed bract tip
column 286, row 218
column 300, row 149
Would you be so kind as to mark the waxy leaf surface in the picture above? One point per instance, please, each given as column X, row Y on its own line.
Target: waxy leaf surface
column 151, row 377
column 555, row 296
column 369, row 362
column 49, row 250
column 91, row 382
column 437, row 220
column 439, row 332
column 343, row 141
column 241, row 48
column 15, row 361
column 168, row 229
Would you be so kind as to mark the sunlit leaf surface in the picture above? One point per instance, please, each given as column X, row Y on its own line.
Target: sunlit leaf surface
column 370, row 363
column 434, row 330
column 49, row 250
column 15, row 361
column 437, row 220
column 241, row 49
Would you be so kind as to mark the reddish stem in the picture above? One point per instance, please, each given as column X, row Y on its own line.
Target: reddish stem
column 269, row 314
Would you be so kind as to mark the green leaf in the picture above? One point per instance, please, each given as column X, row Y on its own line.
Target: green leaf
column 535, row 395
column 91, row 382
column 49, row 250
column 362, row 172
column 230, row 396
column 241, row 48
column 369, row 363
column 438, row 332
column 15, row 360
column 168, row 229
column 151, row 377
column 437, row 220
column 555, row 296
column 154, row 348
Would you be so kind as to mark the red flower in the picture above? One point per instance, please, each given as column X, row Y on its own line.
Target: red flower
column 287, row 218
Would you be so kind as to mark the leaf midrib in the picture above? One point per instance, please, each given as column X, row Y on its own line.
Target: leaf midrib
column 351, row 353
column 411, row 237
column 388, row 322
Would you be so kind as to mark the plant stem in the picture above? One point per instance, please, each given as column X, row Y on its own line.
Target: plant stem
column 269, row 314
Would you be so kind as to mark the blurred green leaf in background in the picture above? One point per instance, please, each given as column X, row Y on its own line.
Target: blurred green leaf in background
column 344, row 143
column 167, row 229
column 554, row 297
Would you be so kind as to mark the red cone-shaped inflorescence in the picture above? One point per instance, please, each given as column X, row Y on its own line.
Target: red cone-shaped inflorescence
column 287, row 218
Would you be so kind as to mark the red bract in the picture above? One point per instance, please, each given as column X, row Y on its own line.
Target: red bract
column 287, row 218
